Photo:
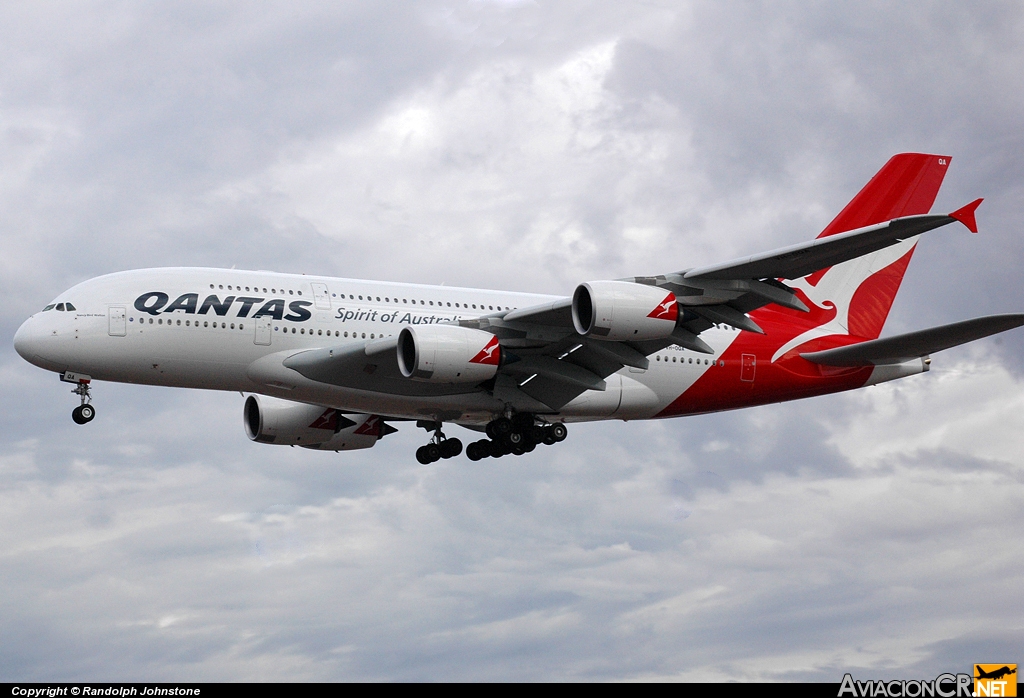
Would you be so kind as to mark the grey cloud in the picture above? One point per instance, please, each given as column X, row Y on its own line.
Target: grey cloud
column 525, row 146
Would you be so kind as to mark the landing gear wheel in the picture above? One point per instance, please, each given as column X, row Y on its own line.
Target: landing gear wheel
column 559, row 432
column 536, row 434
column 450, row 448
column 83, row 414
column 422, row 457
column 496, row 449
column 501, row 426
column 472, row 453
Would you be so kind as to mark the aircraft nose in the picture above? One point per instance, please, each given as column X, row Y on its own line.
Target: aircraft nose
column 24, row 342
column 30, row 341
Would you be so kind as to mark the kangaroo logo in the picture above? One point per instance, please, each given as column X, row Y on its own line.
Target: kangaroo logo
column 490, row 354
column 371, row 427
column 666, row 310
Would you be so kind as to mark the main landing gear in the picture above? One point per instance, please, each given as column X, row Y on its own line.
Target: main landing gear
column 84, row 413
column 516, row 436
column 440, row 446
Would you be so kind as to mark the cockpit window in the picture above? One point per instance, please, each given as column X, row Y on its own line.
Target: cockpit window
column 70, row 307
column 60, row 306
column 49, row 307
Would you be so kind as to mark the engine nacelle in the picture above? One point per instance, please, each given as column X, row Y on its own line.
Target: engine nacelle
column 448, row 354
column 620, row 310
column 272, row 421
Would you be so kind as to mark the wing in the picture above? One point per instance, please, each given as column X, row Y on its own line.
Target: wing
column 555, row 364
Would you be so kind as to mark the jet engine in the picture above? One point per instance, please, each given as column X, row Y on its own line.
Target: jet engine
column 272, row 421
column 621, row 310
column 448, row 354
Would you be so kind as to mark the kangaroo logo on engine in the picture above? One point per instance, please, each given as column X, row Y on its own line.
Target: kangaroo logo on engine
column 666, row 310
column 489, row 355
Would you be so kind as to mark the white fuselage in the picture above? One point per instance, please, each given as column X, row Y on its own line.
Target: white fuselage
column 228, row 329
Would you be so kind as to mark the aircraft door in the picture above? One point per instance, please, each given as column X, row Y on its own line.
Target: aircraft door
column 116, row 325
column 263, row 330
column 321, row 298
column 748, row 367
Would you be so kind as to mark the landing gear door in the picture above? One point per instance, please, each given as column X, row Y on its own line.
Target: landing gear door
column 321, row 298
column 116, row 325
column 263, row 330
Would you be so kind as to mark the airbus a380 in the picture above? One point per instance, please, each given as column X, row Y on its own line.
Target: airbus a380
column 330, row 363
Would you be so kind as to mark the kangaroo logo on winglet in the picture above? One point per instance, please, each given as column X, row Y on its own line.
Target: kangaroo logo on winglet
column 666, row 310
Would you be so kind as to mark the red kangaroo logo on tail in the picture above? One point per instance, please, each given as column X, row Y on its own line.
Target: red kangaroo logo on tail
column 666, row 310
column 490, row 354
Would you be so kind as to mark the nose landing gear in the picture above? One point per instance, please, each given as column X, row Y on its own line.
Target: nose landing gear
column 84, row 413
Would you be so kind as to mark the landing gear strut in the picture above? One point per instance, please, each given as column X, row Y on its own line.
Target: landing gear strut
column 517, row 435
column 440, row 446
column 84, row 413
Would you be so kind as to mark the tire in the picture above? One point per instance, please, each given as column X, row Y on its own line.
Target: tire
column 432, row 452
column 536, row 434
column 450, row 448
column 559, row 432
column 518, row 450
column 422, row 457
column 529, row 446
column 76, row 416
column 496, row 449
column 87, row 412
column 522, row 423
column 501, row 426
column 489, row 430
column 471, row 452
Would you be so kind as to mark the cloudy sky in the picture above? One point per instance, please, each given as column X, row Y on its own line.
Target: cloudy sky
column 528, row 146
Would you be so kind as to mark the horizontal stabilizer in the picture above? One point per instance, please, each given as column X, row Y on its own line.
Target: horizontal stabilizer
column 904, row 347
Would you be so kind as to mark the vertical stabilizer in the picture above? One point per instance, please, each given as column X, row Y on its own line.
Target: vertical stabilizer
column 864, row 289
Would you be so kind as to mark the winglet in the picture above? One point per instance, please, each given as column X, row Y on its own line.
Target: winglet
column 966, row 215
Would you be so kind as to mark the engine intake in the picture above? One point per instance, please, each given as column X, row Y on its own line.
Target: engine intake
column 448, row 354
column 620, row 310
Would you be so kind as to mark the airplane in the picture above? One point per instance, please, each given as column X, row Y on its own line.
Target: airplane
column 333, row 363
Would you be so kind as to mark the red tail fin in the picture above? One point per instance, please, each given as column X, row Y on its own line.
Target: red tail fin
column 905, row 186
column 866, row 287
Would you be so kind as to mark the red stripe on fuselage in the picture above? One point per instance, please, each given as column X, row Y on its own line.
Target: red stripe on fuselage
column 789, row 378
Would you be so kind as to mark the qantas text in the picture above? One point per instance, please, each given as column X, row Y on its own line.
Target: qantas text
column 156, row 302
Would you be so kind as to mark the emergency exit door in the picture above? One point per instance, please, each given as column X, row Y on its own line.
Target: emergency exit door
column 321, row 298
column 263, row 330
column 116, row 325
column 747, row 367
